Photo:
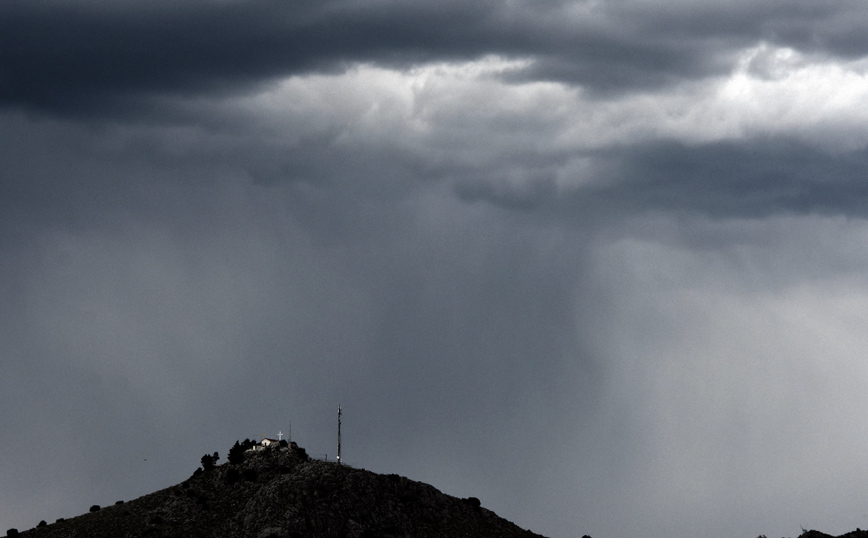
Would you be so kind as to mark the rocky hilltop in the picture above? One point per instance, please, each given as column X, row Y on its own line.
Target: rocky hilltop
column 279, row 492
column 858, row 533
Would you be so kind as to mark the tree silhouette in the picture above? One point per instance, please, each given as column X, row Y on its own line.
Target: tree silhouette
column 209, row 461
column 236, row 454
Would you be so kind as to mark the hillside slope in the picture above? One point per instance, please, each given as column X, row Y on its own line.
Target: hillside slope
column 281, row 493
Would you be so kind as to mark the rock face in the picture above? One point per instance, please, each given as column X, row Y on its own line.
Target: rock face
column 281, row 493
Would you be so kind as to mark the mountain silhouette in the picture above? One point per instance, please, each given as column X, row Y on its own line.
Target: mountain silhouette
column 279, row 492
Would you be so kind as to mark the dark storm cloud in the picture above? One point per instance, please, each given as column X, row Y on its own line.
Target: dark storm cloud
column 74, row 57
column 66, row 55
column 745, row 179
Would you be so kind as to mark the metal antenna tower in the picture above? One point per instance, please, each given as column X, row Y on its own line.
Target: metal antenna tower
column 339, row 434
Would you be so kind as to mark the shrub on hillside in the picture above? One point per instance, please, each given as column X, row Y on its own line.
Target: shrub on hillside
column 473, row 502
column 12, row 532
column 94, row 508
column 232, row 476
column 250, row 475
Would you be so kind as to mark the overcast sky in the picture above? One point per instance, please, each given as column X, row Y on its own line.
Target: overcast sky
column 602, row 264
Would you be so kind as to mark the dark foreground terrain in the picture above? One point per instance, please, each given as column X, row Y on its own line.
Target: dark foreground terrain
column 280, row 493
column 858, row 533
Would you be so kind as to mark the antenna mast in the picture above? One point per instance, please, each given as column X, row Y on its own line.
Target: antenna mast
column 339, row 434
